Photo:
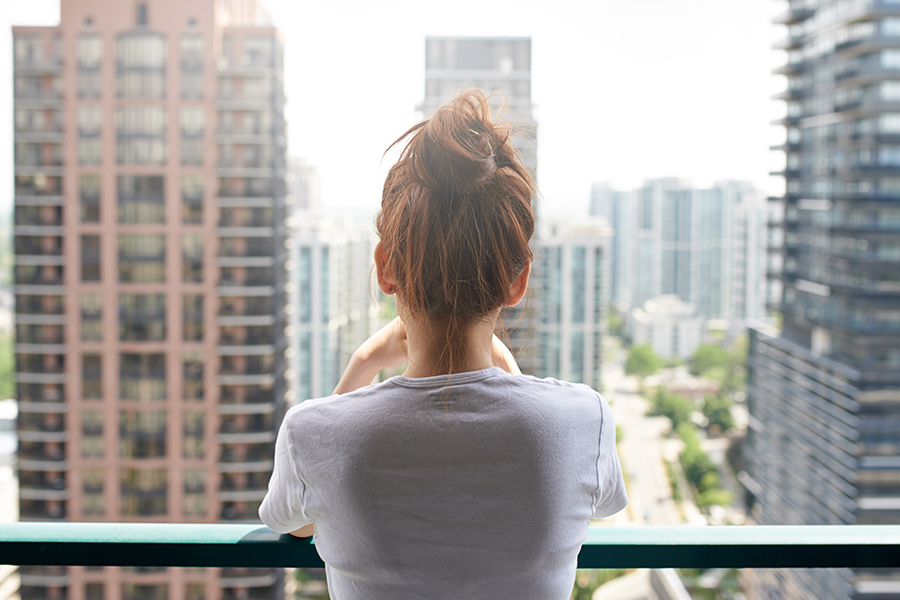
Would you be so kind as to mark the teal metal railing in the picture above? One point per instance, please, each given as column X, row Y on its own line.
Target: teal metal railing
column 189, row 545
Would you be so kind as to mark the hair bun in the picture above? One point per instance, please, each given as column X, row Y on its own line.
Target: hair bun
column 460, row 145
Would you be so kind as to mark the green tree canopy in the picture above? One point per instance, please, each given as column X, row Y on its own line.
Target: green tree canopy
column 676, row 407
column 707, row 357
column 717, row 410
column 642, row 361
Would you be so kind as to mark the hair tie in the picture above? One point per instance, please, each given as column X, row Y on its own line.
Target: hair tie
column 472, row 131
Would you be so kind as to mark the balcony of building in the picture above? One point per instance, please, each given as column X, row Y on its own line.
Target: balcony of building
column 242, row 276
column 241, row 398
column 244, row 216
column 792, row 15
column 246, row 428
column 244, row 246
column 42, row 485
column 868, row 10
column 252, row 546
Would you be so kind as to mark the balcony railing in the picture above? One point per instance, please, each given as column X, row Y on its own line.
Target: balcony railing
column 183, row 545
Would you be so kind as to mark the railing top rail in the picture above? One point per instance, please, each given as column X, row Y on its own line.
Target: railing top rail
column 232, row 545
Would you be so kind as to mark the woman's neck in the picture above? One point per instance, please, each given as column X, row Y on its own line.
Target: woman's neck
column 431, row 352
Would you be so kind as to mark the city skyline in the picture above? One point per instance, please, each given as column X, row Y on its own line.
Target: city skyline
column 670, row 94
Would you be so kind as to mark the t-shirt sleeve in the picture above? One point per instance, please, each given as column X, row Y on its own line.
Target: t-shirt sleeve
column 610, row 496
column 282, row 508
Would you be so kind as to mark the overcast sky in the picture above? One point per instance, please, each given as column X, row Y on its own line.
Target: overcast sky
column 623, row 90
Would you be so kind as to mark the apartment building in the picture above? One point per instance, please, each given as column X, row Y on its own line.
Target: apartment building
column 501, row 67
column 149, row 277
column 824, row 391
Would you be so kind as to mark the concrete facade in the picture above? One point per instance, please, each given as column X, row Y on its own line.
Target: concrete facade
column 149, row 277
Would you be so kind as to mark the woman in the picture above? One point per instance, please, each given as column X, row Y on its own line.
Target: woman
column 462, row 478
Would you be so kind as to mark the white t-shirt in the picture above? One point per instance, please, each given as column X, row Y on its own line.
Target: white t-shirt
column 472, row 485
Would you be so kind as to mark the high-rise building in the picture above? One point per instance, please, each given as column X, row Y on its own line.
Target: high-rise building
column 824, row 392
column 501, row 68
column 706, row 246
column 304, row 187
column 333, row 307
column 149, row 276
column 571, row 282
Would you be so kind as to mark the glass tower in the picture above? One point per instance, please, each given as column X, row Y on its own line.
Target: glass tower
column 824, row 392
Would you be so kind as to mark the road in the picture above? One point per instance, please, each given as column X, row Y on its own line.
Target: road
column 641, row 451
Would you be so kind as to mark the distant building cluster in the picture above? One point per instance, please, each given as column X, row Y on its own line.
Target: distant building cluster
column 706, row 247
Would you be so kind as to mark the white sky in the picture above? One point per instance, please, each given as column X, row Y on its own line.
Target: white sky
column 624, row 90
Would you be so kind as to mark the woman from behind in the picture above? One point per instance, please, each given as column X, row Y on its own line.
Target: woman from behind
column 462, row 478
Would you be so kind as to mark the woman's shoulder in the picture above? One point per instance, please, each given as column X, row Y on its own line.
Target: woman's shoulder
column 556, row 390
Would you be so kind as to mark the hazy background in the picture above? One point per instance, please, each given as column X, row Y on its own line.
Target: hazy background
column 623, row 90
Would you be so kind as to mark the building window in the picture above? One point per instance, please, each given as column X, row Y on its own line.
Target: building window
column 193, row 377
column 192, row 84
column 141, row 198
column 192, row 126
column 193, row 318
column 194, row 498
column 91, row 316
column 89, row 193
column 142, row 433
column 142, row 258
column 91, row 381
column 193, row 434
column 192, row 259
column 142, row 14
column 90, row 120
column 89, row 124
column 142, row 317
column 89, row 52
column 94, row 591
column 92, row 438
column 140, row 65
column 192, row 199
column 191, row 66
column 142, row 376
column 144, row 494
column 579, row 283
column 141, row 135
column 90, row 258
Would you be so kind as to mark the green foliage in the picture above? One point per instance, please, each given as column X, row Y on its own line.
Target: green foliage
column 715, row 497
column 620, row 434
column 616, row 321
column 700, row 471
column 725, row 366
column 717, row 410
column 7, row 366
column 642, row 361
column 673, row 482
column 706, row 357
column 676, row 407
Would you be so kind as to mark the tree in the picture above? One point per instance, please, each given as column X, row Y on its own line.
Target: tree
column 717, row 410
column 642, row 361
column 708, row 356
column 676, row 407
column 7, row 366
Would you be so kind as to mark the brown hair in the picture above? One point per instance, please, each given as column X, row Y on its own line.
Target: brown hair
column 456, row 213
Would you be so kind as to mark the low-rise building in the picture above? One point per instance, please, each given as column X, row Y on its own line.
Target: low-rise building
column 669, row 325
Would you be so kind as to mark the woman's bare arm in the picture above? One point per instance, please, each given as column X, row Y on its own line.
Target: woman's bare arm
column 386, row 349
